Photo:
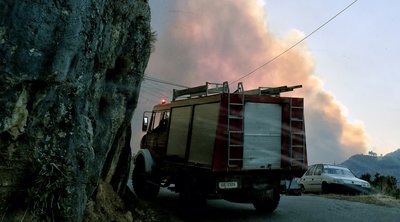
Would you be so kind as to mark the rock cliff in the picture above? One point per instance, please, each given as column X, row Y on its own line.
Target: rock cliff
column 70, row 74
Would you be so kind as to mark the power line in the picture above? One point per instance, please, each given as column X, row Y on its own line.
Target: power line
column 147, row 77
column 296, row 44
column 159, row 86
column 155, row 91
column 151, row 92
column 153, row 79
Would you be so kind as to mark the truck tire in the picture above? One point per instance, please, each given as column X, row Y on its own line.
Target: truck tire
column 265, row 204
column 146, row 185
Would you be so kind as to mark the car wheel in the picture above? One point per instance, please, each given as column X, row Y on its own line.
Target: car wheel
column 325, row 188
column 302, row 189
column 146, row 186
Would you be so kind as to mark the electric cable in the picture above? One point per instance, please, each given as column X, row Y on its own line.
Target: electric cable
column 147, row 77
column 153, row 79
column 296, row 44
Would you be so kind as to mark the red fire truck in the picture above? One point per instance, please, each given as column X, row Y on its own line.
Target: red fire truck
column 213, row 143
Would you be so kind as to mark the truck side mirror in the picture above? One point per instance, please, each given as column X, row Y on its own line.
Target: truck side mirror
column 145, row 123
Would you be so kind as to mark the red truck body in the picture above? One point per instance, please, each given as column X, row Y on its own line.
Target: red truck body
column 219, row 144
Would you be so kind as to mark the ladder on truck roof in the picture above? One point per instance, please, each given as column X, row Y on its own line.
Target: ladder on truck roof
column 271, row 91
column 199, row 91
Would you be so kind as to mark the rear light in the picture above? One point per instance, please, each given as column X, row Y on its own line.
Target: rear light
column 163, row 101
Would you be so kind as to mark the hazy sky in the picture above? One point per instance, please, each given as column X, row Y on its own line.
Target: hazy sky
column 348, row 68
column 357, row 57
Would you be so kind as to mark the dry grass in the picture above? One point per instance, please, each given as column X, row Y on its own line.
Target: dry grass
column 377, row 199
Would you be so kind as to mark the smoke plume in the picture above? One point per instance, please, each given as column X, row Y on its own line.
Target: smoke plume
column 223, row 40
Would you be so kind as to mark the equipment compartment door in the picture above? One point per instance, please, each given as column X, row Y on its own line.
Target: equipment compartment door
column 178, row 132
column 205, row 122
column 262, row 136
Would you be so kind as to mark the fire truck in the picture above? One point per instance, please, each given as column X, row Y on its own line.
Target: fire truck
column 210, row 142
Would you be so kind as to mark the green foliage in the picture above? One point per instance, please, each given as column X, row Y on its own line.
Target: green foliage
column 153, row 40
column 50, row 187
column 383, row 184
column 366, row 177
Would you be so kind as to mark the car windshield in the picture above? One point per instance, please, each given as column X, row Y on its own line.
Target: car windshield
column 339, row 172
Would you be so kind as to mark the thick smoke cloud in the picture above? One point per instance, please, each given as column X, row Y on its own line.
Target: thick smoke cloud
column 218, row 41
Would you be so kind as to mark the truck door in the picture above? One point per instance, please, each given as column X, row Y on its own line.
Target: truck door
column 179, row 131
column 156, row 137
column 262, row 136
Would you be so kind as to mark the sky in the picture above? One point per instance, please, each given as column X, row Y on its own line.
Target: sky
column 348, row 68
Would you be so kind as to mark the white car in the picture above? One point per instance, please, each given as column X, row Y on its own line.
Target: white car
column 324, row 178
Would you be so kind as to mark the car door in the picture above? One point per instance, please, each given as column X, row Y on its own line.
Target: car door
column 306, row 179
column 316, row 179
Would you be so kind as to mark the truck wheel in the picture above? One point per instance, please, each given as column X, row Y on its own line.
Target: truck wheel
column 265, row 204
column 146, row 186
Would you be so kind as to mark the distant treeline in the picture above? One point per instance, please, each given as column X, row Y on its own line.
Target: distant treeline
column 383, row 184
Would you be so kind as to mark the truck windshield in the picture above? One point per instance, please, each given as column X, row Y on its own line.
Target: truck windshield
column 160, row 120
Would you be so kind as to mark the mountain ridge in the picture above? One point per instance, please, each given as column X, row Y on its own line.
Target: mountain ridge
column 387, row 165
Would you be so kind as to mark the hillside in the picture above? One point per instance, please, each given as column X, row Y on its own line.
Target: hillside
column 387, row 165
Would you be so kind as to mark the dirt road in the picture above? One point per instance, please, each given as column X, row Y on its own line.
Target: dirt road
column 291, row 208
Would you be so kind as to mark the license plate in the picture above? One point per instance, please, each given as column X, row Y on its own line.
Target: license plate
column 228, row 185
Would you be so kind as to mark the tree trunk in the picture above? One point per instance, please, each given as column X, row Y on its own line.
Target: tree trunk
column 70, row 74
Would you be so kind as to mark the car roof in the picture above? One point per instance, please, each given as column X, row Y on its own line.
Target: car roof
column 331, row 166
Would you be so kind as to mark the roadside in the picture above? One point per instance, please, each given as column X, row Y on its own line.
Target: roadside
column 291, row 208
column 308, row 207
column 377, row 199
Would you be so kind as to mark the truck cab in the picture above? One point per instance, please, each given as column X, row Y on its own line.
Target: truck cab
column 212, row 143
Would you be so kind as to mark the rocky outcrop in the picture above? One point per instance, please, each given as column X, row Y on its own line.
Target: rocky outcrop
column 70, row 73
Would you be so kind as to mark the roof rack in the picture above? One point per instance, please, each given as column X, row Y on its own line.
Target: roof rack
column 271, row 91
column 215, row 88
column 204, row 90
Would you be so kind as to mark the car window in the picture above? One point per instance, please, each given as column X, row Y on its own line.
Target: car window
column 330, row 171
column 318, row 170
column 347, row 173
column 310, row 171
